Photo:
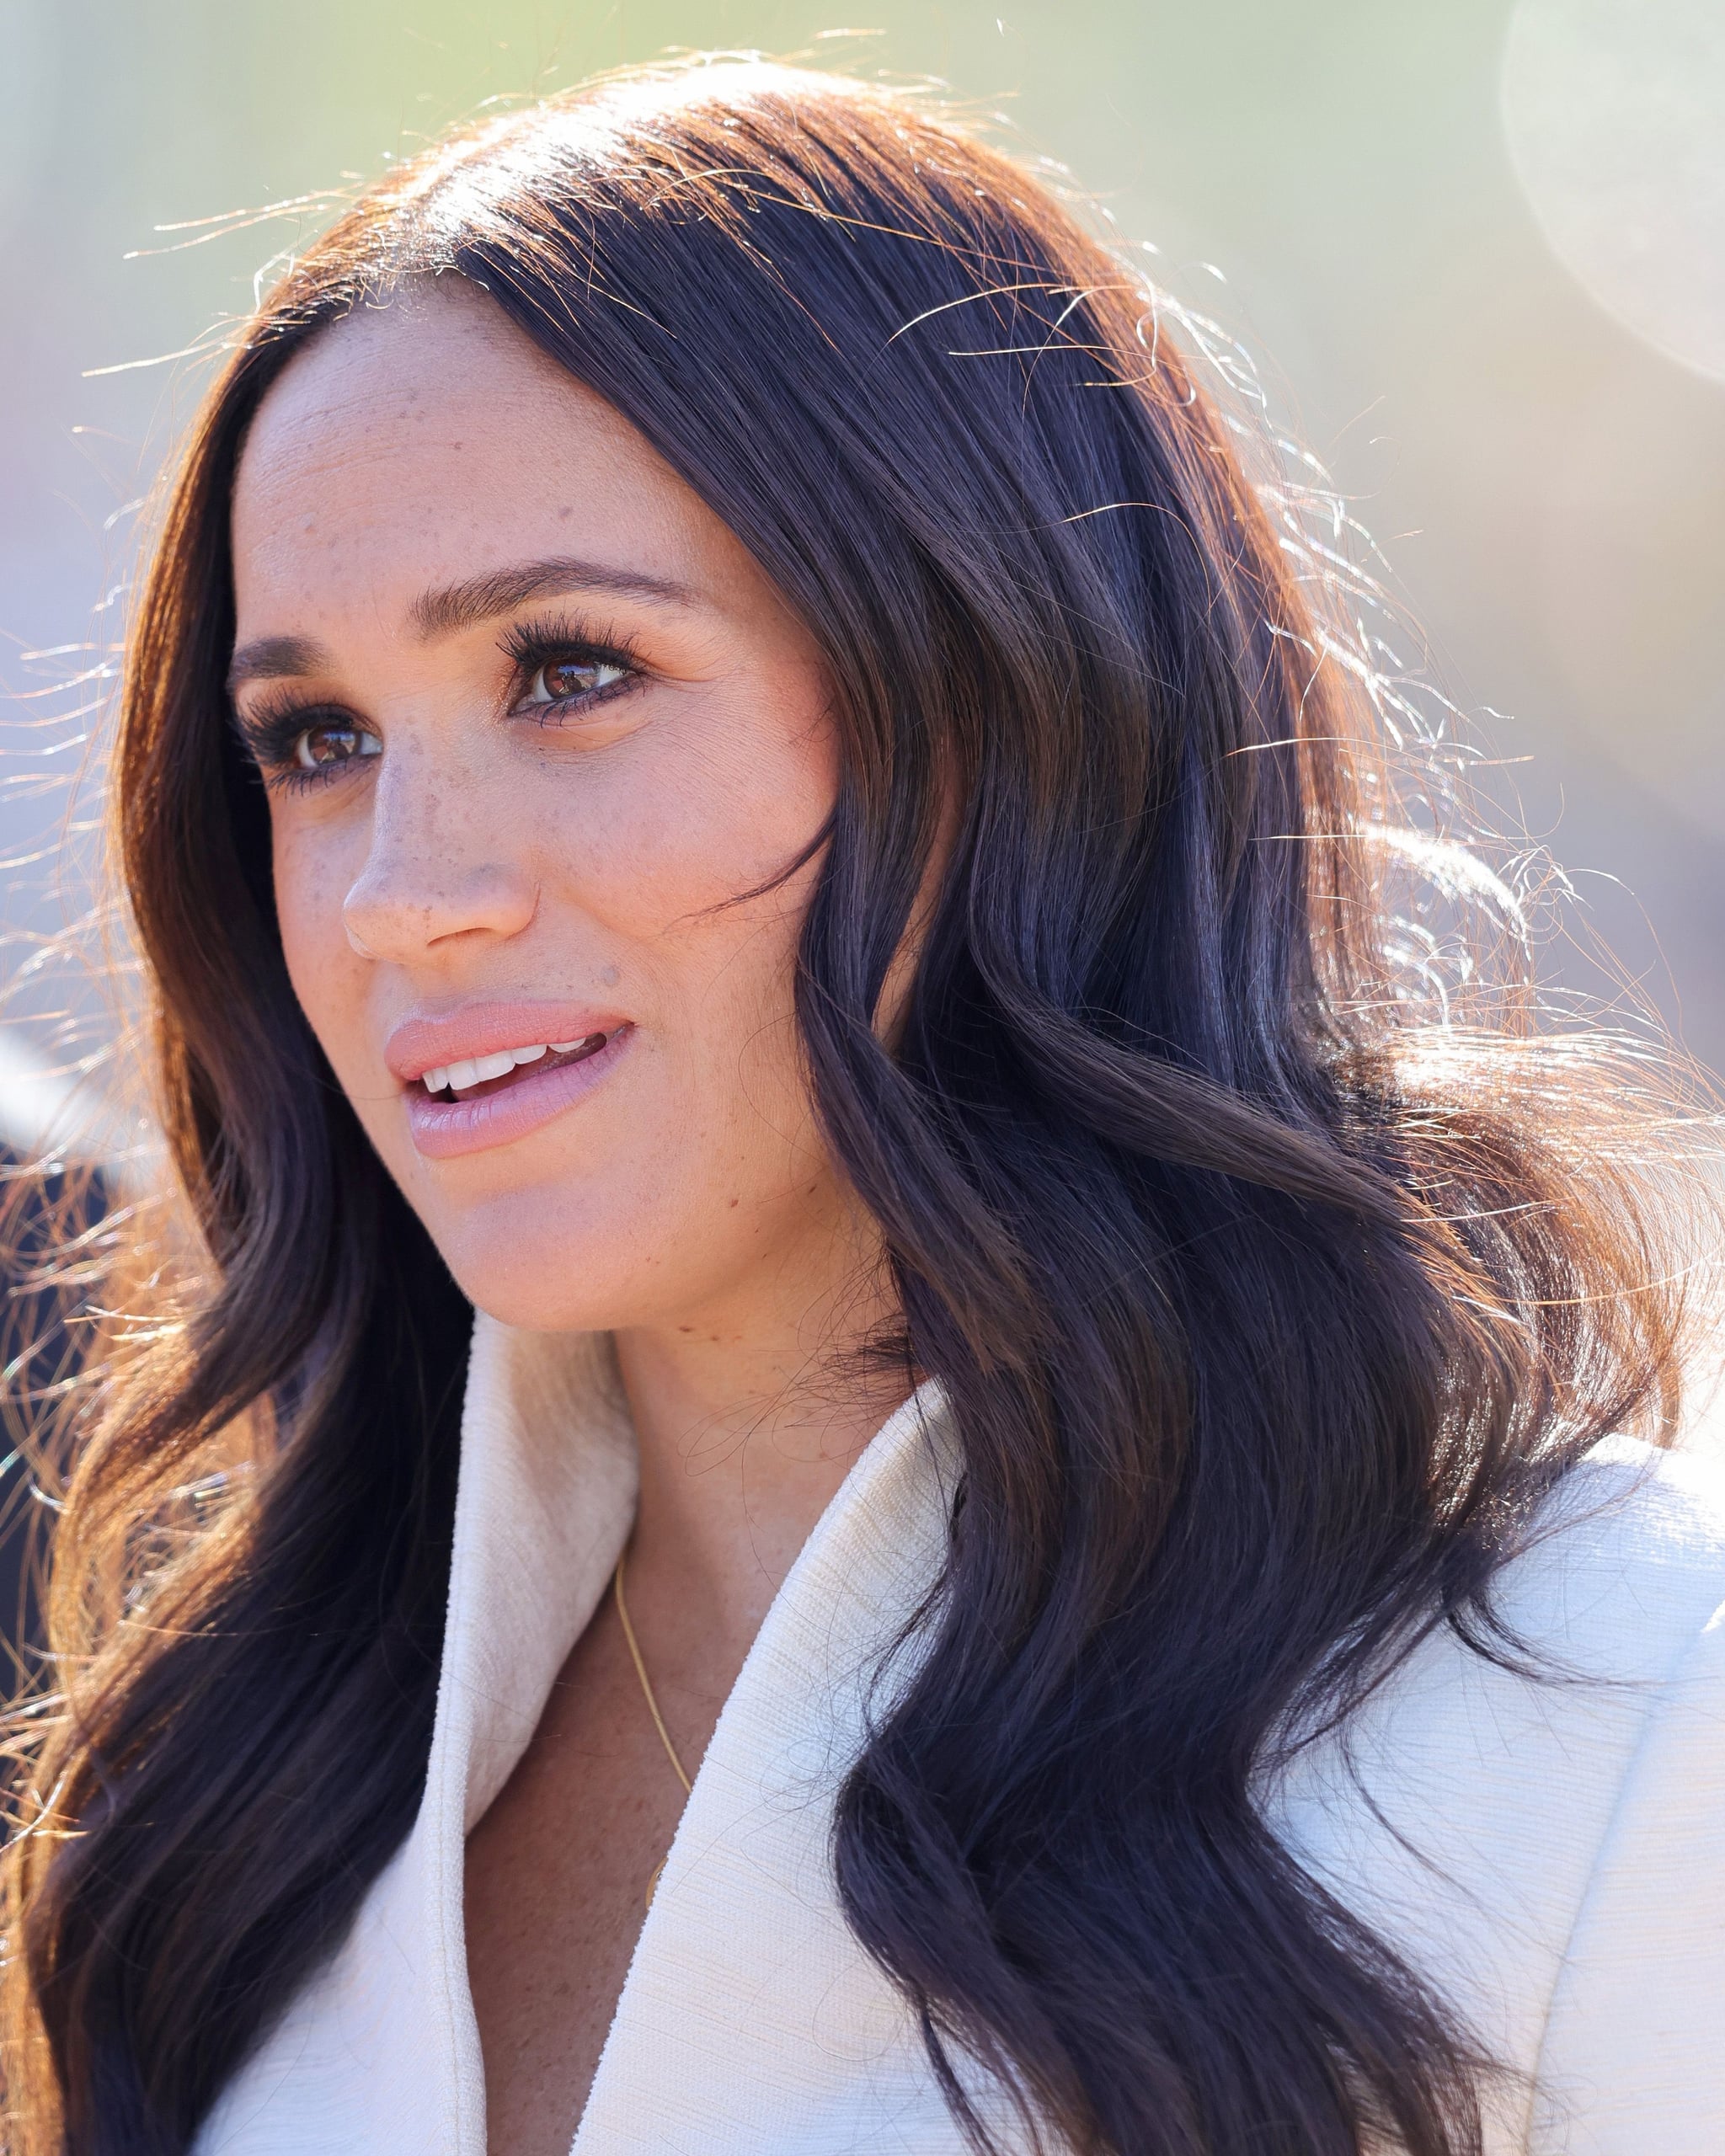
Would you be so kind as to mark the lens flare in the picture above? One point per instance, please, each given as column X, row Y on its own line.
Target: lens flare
column 1614, row 115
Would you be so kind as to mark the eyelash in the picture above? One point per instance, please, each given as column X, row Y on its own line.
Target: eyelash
column 273, row 729
column 549, row 643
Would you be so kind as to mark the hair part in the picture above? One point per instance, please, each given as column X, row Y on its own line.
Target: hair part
column 1267, row 1310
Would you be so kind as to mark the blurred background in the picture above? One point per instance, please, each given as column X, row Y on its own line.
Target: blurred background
column 1477, row 251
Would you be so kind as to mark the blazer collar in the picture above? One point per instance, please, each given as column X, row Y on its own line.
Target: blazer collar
column 750, row 2019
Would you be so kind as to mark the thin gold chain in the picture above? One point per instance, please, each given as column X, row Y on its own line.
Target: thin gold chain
column 670, row 1750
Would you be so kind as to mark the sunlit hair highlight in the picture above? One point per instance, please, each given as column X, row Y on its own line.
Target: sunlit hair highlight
column 1274, row 1267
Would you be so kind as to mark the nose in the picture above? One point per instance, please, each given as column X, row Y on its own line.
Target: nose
column 430, row 880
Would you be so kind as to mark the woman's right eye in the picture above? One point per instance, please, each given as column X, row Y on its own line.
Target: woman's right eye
column 333, row 741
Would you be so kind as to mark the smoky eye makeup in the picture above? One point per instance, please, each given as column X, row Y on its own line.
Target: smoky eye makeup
column 269, row 728
column 277, row 729
column 294, row 741
column 559, row 671
column 562, row 671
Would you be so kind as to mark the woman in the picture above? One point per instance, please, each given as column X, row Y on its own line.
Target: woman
column 721, row 762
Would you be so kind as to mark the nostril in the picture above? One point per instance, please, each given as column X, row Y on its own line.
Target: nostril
column 399, row 908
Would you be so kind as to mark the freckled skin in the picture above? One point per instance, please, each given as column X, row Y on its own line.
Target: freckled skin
column 685, row 1204
column 481, row 855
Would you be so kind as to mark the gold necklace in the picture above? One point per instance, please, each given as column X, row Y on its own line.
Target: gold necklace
column 670, row 1750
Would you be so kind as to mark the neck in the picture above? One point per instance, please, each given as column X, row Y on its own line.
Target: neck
column 749, row 1412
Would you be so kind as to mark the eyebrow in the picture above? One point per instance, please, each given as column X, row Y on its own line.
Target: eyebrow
column 271, row 658
column 454, row 606
column 480, row 598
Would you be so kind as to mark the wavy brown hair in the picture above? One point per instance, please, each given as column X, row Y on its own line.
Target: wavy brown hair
column 1270, row 1299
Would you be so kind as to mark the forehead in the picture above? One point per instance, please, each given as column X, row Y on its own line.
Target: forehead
column 409, row 438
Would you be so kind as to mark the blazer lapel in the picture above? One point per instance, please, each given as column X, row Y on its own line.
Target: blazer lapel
column 752, row 2020
column 379, row 2055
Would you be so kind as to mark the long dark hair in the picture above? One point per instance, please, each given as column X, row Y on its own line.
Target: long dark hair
column 1268, row 1307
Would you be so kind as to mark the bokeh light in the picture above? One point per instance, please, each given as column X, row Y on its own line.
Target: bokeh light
column 1614, row 111
column 1544, row 483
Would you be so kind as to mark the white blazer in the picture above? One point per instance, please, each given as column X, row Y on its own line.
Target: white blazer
column 1552, row 1854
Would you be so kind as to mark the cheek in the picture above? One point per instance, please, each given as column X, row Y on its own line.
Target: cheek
column 679, row 867
column 670, row 836
column 663, row 853
column 312, row 871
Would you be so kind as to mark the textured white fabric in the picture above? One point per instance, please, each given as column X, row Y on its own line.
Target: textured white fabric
column 1553, row 1854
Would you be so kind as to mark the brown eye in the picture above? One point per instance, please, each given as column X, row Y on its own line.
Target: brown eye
column 333, row 741
column 560, row 679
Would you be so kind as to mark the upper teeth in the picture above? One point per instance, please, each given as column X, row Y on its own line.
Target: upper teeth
column 476, row 1069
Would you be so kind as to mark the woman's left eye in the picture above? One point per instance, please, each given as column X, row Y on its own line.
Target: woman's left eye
column 562, row 680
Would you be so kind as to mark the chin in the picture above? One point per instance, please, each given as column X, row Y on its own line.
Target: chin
column 540, row 1260
column 543, row 1312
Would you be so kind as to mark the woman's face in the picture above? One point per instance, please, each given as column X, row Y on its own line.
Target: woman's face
column 534, row 726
